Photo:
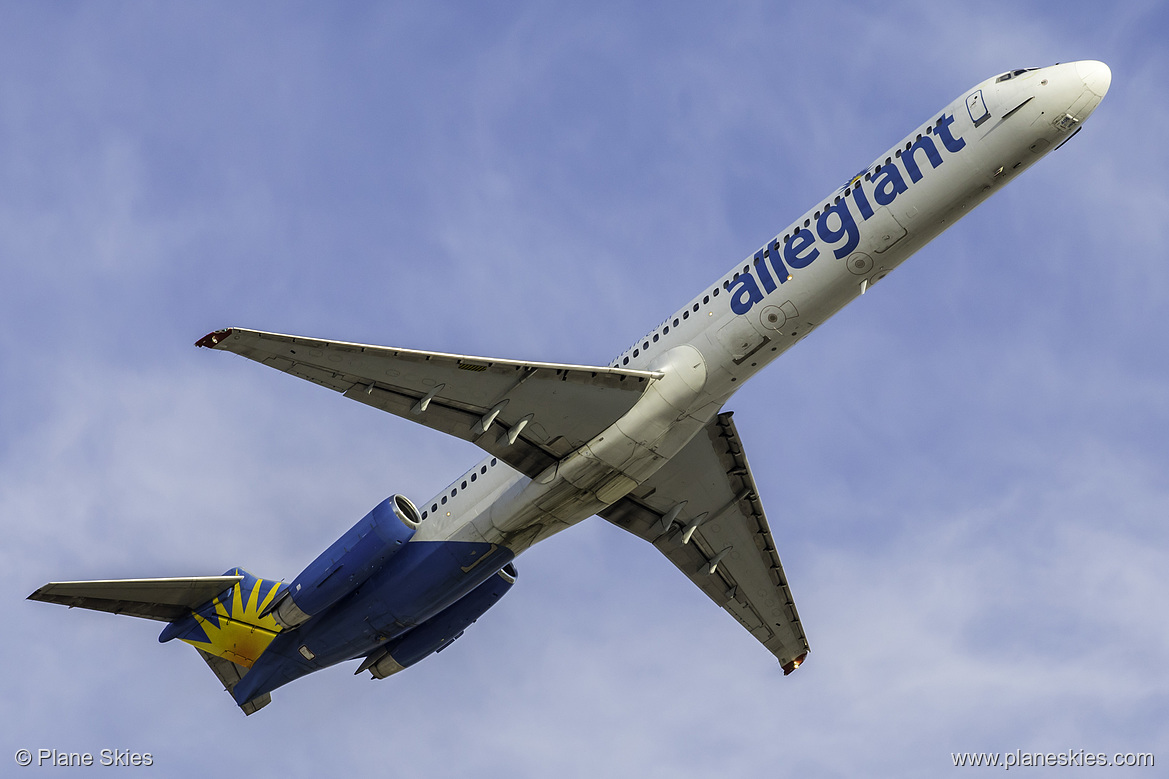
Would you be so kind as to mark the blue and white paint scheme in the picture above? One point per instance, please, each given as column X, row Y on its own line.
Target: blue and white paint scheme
column 645, row 442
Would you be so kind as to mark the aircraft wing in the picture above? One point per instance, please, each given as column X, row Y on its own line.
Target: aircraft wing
column 719, row 537
column 527, row 414
column 162, row 599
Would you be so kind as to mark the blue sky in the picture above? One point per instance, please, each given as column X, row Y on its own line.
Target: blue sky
column 964, row 470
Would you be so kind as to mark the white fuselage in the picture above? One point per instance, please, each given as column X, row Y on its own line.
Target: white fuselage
column 765, row 304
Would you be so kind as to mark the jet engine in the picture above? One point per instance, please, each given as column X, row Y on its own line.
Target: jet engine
column 351, row 560
column 436, row 633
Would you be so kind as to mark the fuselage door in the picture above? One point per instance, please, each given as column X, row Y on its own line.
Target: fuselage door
column 976, row 105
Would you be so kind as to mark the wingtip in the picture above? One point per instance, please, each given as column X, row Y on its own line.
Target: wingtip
column 211, row 340
column 794, row 664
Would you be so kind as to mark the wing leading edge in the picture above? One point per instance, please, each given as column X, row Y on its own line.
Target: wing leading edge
column 702, row 511
column 528, row 414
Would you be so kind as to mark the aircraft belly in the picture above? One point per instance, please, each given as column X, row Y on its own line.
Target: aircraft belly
column 590, row 479
column 420, row 581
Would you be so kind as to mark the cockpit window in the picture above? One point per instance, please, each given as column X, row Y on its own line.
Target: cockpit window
column 1012, row 74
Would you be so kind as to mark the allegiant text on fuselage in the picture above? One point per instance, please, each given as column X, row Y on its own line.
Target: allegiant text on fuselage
column 836, row 226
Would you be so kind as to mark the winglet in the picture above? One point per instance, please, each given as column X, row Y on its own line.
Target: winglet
column 211, row 340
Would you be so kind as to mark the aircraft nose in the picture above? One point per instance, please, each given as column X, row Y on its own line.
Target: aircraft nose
column 1096, row 76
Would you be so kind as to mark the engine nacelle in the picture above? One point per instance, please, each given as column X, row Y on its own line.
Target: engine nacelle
column 439, row 631
column 351, row 560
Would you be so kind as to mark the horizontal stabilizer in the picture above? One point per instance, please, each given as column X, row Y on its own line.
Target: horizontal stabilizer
column 218, row 615
column 162, row 599
column 528, row 414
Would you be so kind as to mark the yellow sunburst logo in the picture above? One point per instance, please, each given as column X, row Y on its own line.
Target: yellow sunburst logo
column 235, row 630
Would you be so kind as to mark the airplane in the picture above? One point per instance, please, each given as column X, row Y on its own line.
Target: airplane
column 644, row 441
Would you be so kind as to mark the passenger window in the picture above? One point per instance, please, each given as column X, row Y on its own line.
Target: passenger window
column 705, row 299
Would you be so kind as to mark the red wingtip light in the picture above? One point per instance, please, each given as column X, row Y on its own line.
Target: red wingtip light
column 212, row 339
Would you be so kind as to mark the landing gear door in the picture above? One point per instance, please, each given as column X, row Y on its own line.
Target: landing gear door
column 976, row 105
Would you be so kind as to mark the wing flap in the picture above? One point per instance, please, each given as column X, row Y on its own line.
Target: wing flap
column 719, row 536
column 164, row 600
column 528, row 414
